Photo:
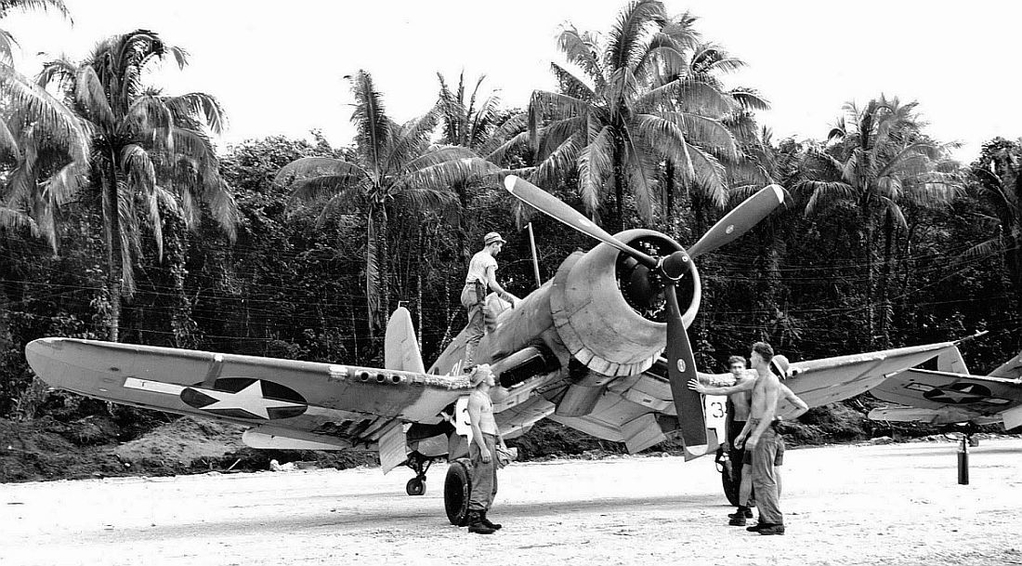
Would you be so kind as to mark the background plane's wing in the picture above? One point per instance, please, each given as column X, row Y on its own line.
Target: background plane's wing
column 820, row 382
column 316, row 402
column 942, row 397
column 1011, row 369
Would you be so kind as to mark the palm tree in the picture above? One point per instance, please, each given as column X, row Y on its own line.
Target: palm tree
column 483, row 127
column 881, row 160
column 1000, row 188
column 45, row 142
column 622, row 118
column 149, row 156
column 395, row 169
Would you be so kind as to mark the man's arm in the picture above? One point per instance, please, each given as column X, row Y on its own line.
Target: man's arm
column 800, row 406
column 713, row 380
column 491, row 276
column 697, row 386
column 477, row 433
column 740, row 439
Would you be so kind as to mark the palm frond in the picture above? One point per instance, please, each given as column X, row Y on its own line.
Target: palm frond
column 412, row 140
column 441, row 176
column 582, row 52
column 824, row 193
column 371, row 123
column 570, row 85
column 595, row 164
column 749, row 99
column 707, row 174
column 45, row 112
column 560, row 161
column 625, row 47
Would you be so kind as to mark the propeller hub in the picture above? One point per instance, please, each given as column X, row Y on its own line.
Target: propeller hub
column 675, row 265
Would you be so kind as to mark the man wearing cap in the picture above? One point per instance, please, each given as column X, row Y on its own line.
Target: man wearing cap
column 482, row 278
column 482, row 450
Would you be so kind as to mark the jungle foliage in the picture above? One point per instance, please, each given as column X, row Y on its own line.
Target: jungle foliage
column 884, row 241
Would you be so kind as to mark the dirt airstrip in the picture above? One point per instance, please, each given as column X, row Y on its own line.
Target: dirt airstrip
column 891, row 504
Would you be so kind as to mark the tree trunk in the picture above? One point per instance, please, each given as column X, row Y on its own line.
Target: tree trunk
column 866, row 222
column 5, row 328
column 886, row 314
column 669, row 197
column 114, row 260
column 619, row 188
column 418, row 279
column 466, row 255
column 384, row 265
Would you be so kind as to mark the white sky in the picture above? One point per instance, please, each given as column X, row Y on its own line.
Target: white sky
column 278, row 68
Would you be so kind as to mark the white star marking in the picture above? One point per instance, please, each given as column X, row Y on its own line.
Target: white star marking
column 248, row 399
column 957, row 396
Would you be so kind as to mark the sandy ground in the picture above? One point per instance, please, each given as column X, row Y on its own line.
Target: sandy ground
column 893, row 504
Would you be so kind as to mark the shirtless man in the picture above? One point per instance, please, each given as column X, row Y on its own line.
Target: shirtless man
column 759, row 437
column 482, row 451
column 737, row 414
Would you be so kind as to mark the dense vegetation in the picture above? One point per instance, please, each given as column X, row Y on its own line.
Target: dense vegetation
column 118, row 221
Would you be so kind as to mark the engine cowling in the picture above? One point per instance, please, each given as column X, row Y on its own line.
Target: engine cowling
column 610, row 311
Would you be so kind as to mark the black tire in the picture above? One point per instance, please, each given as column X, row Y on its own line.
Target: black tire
column 415, row 486
column 730, row 485
column 457, row 489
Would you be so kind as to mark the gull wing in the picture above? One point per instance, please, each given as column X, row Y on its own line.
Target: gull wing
column 330, row 404
column 829, row 380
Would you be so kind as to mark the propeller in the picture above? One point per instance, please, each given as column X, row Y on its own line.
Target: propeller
column 681, row 365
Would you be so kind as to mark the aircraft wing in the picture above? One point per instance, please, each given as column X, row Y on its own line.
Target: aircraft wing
column 323, row 405
column 820, row 382
column 939, row 397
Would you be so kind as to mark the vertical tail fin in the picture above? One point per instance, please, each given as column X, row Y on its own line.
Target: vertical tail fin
column 400, row 348
column 951, row 361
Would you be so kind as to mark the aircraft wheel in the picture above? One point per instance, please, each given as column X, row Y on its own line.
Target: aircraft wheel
column 730, row 485
column 457, row 490
column 415, row 486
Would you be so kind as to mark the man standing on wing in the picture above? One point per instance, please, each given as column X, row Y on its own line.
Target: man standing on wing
column 481, row 279
column 482, row 450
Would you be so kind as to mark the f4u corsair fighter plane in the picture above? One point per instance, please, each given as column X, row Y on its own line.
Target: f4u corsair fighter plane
column 602, row 348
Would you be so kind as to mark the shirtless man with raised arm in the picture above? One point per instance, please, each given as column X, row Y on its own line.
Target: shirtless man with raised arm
column 759, row 437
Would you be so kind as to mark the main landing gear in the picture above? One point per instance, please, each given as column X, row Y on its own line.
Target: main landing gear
column 724, row 466
column 418, row 464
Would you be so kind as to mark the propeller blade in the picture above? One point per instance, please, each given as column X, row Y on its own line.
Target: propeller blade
column 553, row 207
column 740, row 220
column 681, row 367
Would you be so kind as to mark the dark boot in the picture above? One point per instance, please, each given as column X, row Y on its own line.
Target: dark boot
column 475, row 524
column 488, row 523
column 777, row 529
column 742, row 511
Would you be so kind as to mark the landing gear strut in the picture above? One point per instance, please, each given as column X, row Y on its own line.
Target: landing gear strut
column 418, row 464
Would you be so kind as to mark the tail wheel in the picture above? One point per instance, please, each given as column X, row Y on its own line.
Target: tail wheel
column 415, row 486
column 457, row 490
